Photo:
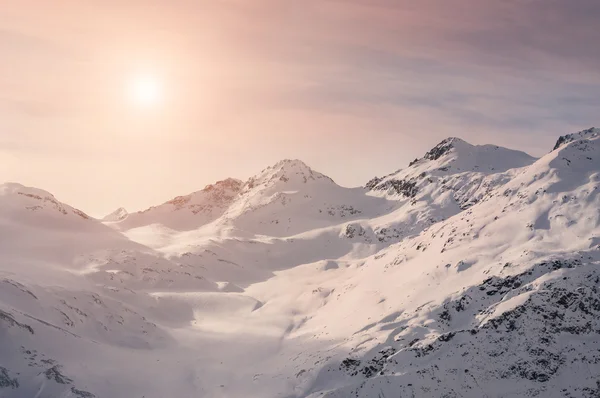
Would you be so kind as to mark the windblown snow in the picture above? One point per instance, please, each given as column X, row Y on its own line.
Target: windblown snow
column 473, row 272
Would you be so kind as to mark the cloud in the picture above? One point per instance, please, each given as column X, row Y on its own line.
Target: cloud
column 256, row 80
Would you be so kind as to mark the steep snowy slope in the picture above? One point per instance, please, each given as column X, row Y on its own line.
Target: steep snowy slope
column 500, row 300
column 42, row 235
column 186, row 212
column 60, row 230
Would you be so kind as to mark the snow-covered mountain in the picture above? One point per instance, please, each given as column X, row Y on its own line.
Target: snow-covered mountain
column 473, row 272
column 452, row 166
column 448, row 179
column 289, row 198
column 499, row 300
column 184, row 212
column 118, row 215
column 17, row 200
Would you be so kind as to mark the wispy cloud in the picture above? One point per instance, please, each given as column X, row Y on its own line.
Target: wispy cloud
column 256, row 80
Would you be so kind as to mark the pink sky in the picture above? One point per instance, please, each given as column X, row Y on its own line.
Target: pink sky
column 354, row 88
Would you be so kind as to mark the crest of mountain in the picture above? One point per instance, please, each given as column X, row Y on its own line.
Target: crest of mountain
column 37, row 227
column 17, row 200
column 452, row 156
column 117, row 215
column 584, row 134
column 451, row 177
column 286, row 176
column 289, row 198
column 189, row 211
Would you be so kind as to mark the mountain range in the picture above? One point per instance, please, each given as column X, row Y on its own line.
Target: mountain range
column 472, row 272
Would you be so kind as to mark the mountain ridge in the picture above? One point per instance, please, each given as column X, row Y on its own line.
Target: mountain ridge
column 452, row 280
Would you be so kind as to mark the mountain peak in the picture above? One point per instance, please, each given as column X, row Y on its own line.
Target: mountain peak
column 35, row 200
column 291, row 164
column 465, row 156
column 16, row 188
column 117, row 215
column 444, row 147
column 583, row 134
column 288, row 172
column 452, row 156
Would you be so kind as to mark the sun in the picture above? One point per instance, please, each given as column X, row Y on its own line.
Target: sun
column 145, row 91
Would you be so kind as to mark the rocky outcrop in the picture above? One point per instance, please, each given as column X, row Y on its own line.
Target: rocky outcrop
column 565, row 139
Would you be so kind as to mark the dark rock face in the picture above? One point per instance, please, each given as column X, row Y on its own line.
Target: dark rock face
column 407, row 188
column 372, row 368
column 54, row 373
column 373, row 183
column 6, row 381
column 562, row 140
column 81, row 393
column 350, row 365
column 353, row 231
column 440, row 149
column 10, row 320
column 565, row 139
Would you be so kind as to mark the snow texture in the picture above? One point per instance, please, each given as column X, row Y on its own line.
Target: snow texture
column 473, row 272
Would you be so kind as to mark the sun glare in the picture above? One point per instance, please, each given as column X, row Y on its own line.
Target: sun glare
column 145, row 91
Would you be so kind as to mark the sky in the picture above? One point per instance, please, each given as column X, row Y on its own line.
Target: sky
column 354, row 88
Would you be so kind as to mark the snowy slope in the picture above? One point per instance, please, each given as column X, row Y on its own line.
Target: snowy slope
column 503, row 302
column 448, row 179
column 117, row 215
column 286, row 215
column 70, row 284
column 184, row 212
column 473, row 272
column 289, row 198
column 452, row 165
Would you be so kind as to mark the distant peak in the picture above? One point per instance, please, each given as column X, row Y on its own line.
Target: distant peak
column 289, row 166
column 444, row 147
column 455, row 140
column 224, row 188
column 291, row 163
column 286, row 171
column 16, row 188
column 117, row 215
column 565, row 139
column 13, row 185
column 43, row 199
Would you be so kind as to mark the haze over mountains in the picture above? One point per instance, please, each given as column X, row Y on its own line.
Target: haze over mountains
column 472, row 272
